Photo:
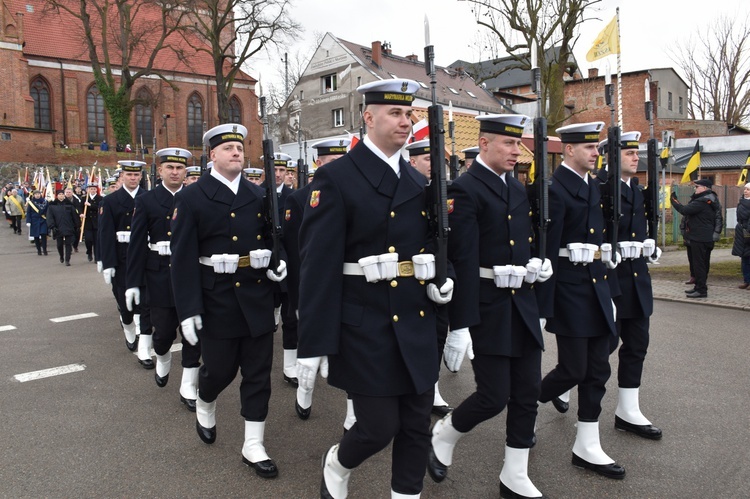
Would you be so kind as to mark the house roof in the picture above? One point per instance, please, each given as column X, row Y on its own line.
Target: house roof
column 452, row 86
column 58, row 35
column 726, row 160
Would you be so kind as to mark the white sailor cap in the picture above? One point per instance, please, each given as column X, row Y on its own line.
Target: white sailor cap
column 174, row 155
column 253, row 172
column 396, row 91
column 224, row 133
column 128, row 165
column 280, row 159
column 92, row 184
column 419, row 148
column 503, row 124
column 331, row 147
column 111, row 180
column 628, row 140
column 580, row 133
column 193, row 171
column 470, row 152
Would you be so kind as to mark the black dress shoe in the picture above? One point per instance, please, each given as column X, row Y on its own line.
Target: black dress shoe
column 62, row 259
column 208, row 435
column 161, row 382
column 614, row 470
column 441, row 410
column 697, row 294
column 437, row 470
column 91, row 258
column 291, row 381
column 560, row 405
column 645, row 431
column 147, row 363
column 506, row 493
column 302, row 413
column 132, row 346
column 264, row 469
column 688, row 291
column 189, row 403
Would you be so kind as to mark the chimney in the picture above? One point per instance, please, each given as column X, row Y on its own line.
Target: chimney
column 412, row 58
column 376, row 54
column 593, row 72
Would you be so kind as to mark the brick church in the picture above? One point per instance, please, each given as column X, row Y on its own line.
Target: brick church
column 53, row 114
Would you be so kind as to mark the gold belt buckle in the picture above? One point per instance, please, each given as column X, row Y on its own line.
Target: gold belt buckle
column 597, row 255
column 405, row 269
column 244, row 261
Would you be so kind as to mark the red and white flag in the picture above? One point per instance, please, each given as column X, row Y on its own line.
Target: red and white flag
column 420, row 130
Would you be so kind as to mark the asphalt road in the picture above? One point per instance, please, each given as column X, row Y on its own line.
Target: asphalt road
column 107, row 430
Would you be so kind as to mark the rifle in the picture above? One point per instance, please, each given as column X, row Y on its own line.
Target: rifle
column 153, row 164
column 540, row 184
column 204, row 156
column 301, row 173
column 438, row 189
column 615, row 191
column 652, row 193
column 453, row 163
column 272, row 201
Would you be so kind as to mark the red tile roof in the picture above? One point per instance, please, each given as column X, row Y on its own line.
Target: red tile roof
column 49, row 34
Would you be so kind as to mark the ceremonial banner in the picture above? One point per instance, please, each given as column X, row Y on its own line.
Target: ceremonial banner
column 691, row 170
column 743, row 176
column 607, row 43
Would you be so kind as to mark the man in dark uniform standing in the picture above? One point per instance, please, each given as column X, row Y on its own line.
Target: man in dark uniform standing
column 115, row 221
column 577, row 301
column 634, row 297
column 149, row 267
column 223, row 289
column 494, row 308
column 91, row 219
column 364, row 237
column 327, row 151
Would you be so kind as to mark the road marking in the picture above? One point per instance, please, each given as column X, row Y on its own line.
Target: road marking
column 46, row 373
column 177, row 347
column 74, row 317
column 7, row 328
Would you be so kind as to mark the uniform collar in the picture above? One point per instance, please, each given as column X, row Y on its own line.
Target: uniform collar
column 394, row 161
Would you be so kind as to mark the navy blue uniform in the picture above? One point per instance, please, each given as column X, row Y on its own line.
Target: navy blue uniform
column 147, row 269
column 577, row 300
column 236, row 309
column 379, row 337
column 283, row 298
column 294, row 209
column 490, row 225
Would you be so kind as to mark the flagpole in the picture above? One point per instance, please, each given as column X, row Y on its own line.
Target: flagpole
column 619, row 73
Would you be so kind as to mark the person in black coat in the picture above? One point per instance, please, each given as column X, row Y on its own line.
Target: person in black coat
column 375, row 323
column 77, row 203
column 36, row 219
column 90, row 219
column 63, row 222
column 492, row 313
column 701, row 229
column 633, row 297
column 149, row 269
column 741, row 247
column 577, row 301
column 227, row 301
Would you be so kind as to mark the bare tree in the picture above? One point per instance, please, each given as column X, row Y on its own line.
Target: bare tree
column 236, row 30
column 717, row 71
column 515, row 24
column 124, row 36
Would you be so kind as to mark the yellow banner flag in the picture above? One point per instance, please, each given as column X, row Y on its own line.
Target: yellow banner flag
column 743, row 176
column 531, row 175
column 608, row 42
column 691, row 170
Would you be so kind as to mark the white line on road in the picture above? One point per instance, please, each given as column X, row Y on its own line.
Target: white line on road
column 177, row 347
column 46, row 373
column 74, row 317
column 7, row 328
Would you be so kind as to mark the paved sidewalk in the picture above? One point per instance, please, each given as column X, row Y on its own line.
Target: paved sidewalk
column 719, row 294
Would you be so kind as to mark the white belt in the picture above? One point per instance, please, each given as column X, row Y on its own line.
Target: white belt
column 353, row 269
column 154, row 247
column 486, row 273
column 405, row 269
column 206, row 260
column 566, row 254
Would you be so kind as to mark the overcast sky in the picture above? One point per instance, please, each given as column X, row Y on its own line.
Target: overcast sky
column 648, row 28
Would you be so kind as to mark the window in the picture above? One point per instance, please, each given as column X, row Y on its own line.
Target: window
column 338, row 117
column 95, row 115
column 453, row 90
column 301, row 95
column 5, row 136
column 195, row 121
column 471, row 95
column 40, row 94
column 680, row 104
column 328, row 84
column 422, row 84
column 144, row 118
column 669, row 100
column 359, row 81
column 235, row 111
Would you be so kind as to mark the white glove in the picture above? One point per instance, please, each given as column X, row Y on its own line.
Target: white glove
column 542, row 323
column 614, row 311
column 443, row 295
column 189, row 327
column 280, row 273
column 132, row 295
column 545, row 272
column 307, row 369
column 614, row 261
column 457, row 344
column 28, row 224
column 108, row 274
column 654, row 258
column 99, row 267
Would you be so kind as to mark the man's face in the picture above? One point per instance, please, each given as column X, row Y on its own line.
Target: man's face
column 700, row 188
column 68, row 193
column 130, row 179
column 581, row 157
column 499, row 152
column 229, row 158
column 629, row 162
column 388, row 126
column 421, row 163
column 256, row 180
column 172, row 174
column 191, row 179
column 291, row 178
column 324, row 160
column 14, row 192
column 113, row 187
column 60, row 196
column 280, row 175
